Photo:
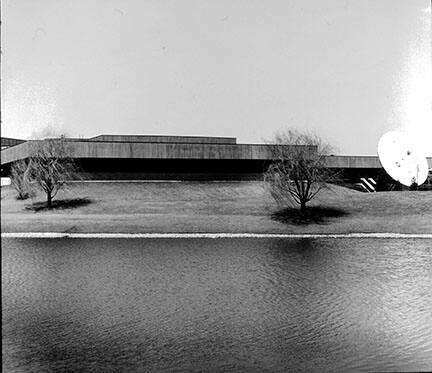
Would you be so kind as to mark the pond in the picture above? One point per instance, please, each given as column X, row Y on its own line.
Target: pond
column 233, row 305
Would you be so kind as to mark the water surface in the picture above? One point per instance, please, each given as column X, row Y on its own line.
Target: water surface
column 240, row 305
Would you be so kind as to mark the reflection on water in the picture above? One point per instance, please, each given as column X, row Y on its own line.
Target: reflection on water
column 216, row 305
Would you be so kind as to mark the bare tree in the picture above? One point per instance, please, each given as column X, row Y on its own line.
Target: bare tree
column 298, row 171
column 20, row 178
column 48, row 132
column 51, row 166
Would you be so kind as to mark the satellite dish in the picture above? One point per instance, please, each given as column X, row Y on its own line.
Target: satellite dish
column 401, row 160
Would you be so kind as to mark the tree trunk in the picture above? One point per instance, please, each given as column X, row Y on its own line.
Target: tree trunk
column 49, row 200
column 303, row 206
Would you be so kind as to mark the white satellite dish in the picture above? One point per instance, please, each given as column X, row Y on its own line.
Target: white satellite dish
column 401, row 160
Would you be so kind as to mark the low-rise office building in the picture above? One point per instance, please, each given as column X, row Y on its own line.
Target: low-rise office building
column 121, row 157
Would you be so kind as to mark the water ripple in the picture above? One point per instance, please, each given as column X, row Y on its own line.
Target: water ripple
column 240, row 305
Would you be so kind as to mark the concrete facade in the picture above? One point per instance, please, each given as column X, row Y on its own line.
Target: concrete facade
column 165, row 139
column 7, row 142
column 158, row 148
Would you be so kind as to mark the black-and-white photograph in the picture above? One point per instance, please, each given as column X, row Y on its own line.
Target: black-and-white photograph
column 216, row 185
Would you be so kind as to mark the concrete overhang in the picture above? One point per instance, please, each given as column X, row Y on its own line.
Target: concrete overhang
column 140, row 150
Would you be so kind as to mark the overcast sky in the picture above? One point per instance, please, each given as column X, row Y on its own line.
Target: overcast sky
column 347, row 69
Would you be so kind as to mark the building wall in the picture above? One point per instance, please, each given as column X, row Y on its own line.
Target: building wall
column 7, row 142
column 341, row 161
column 165, row 139
column 131, row 150
column 14, row 153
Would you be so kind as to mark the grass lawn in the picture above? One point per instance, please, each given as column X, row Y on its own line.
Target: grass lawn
column 211, row 207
